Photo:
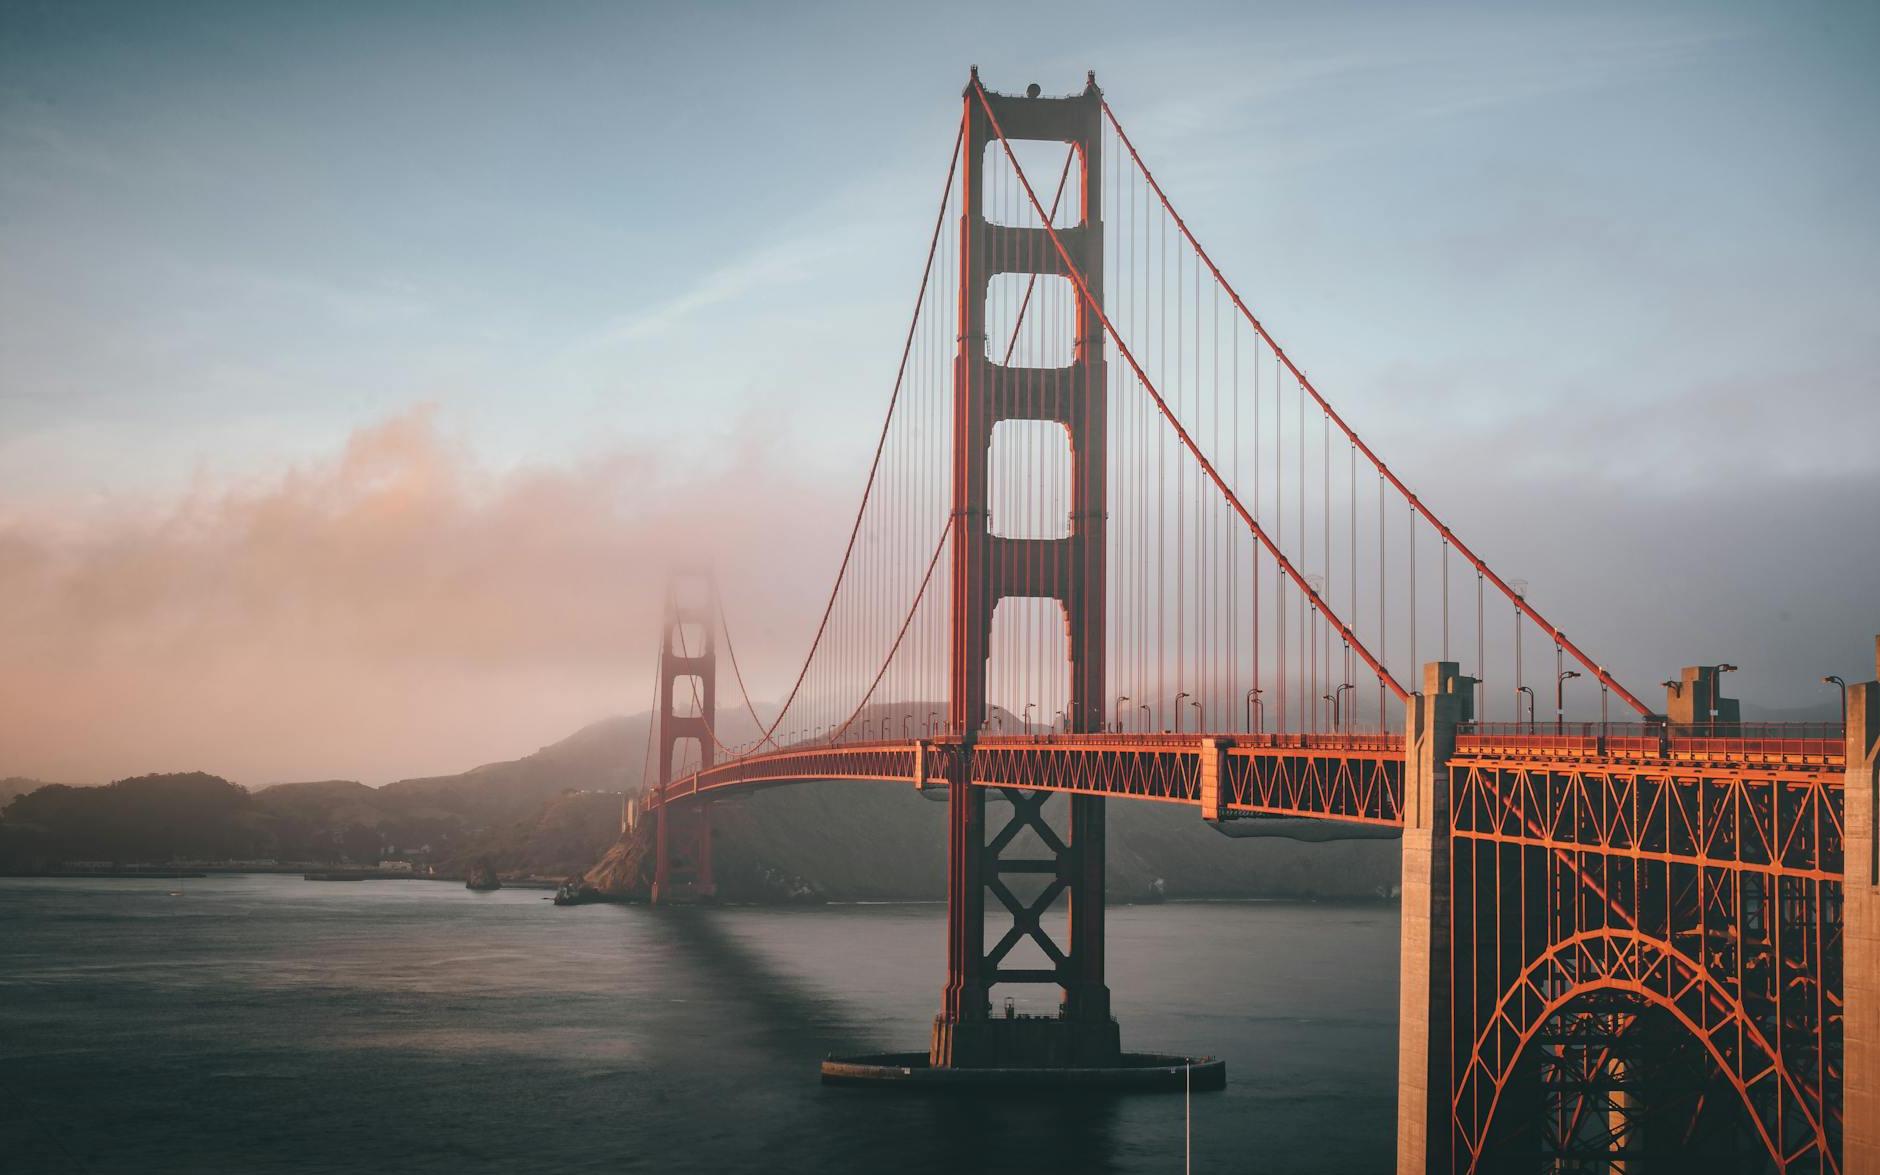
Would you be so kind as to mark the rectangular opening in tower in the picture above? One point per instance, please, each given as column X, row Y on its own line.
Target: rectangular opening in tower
column 688, row 695
column 1028, row 668
column 1028, row 480
column 1043, row 163
column 686, row 756
column 1031, row 320
column 688, row 638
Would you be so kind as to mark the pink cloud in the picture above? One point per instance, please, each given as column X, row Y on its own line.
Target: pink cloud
column 395, row 608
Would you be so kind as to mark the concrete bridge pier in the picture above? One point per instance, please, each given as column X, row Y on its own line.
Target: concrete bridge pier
column 1423, row 1016
column 1860, row 1111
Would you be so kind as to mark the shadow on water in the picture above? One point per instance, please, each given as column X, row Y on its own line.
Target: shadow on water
column 795, row 1026
column 797, row 1023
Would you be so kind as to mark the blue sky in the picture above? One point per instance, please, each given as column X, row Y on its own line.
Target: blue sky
column 1615, row 257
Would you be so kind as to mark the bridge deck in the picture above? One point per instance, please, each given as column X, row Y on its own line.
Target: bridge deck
column 1349, row 777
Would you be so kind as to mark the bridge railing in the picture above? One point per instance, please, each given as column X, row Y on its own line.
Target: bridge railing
column 1359, row 740
column 1821, row 743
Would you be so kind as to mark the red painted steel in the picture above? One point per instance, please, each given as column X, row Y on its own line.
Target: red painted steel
column 1093, row 301
column 1701, row 882
column 682, row 855
column 1718, row 882
column 1357, row 778
column 1611, row 889
column 1071, row 570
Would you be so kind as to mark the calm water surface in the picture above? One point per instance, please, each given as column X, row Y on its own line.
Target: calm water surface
column 265, row 1023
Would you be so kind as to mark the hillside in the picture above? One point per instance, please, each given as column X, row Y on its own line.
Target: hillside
column 604, row 756
column 18, row 785
column 556, row 812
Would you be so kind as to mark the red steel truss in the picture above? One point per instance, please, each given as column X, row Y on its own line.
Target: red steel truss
column 1355, row 778
column 1702, row 886
column 1672, row 878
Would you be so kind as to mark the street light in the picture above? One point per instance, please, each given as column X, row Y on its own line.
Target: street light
column 1148, row 717
column 1337, row 696
column 1064, row 720
column 1560, row 697
column 905, row 719
column 1024, row 715
column 1831, row 679
column 1529, row 691
column 1120, row 699
column 1253, row 700
column 1201, row 715
column 1717, row 691
column 933, row 721
column 1178, row 710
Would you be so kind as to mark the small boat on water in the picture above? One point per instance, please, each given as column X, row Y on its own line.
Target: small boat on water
column 482, row 879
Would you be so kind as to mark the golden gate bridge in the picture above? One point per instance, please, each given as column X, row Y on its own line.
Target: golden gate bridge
column 1114, row 543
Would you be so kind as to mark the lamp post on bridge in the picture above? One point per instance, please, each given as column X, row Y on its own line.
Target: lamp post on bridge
column 905, row 719
column 1063, row 721
column 1834, row 680
column 1335, row 697
column 1201, row 715
column 1118, row 723
column 1561, row 677
column 933, row 719
column 1253, row 703
column 1529, row 691
column 1711, row 718
column 1178, row 710
column 1024, row 716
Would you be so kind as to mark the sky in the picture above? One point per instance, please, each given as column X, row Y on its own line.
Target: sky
column 361, row 365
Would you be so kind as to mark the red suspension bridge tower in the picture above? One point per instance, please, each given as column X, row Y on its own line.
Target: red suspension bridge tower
column 1624, row 942
column 988, row 568
column 688, row 701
